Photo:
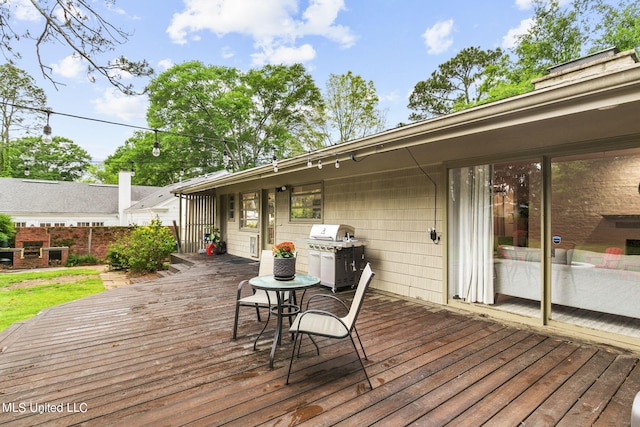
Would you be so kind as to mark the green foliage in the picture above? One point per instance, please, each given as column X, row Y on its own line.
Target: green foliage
column 556, row 36
column 7, row 230
column 23, row 302
column 75, row 260
column 350, row 109
column 456, row 84
column 60, row 160
column 17, row 88
column 221, row 109
column 144, row 250
column 559, row 33
column 176, row 156
column 618, row 26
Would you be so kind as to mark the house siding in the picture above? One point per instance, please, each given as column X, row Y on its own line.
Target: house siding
column 391, row 211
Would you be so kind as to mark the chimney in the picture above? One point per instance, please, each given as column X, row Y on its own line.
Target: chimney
column 597, row 64
column 124, row 195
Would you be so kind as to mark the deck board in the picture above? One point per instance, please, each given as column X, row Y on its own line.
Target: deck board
column 160, row 353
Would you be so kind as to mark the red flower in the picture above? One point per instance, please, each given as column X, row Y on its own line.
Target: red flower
column 284, row 250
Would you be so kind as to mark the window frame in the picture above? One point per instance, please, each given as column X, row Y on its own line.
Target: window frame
column 304, row 191
column 243, row 210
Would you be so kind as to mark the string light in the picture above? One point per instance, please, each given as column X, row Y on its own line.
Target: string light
column 156, row 146
column 337, row 164
column 275, row 160
column 319, row 164
column 46, row 131
column 309, row 164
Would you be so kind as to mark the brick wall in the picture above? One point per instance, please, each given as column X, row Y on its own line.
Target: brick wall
column 81, row 241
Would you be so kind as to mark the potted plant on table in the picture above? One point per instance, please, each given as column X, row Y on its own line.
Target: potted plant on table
column 284, row 261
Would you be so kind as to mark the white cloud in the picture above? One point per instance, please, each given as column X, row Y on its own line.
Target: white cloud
column 528, row 4
column 23, row 10
column 524, row 4
column 285, row 55
column 228, row 52
column 70, row 67
column 165, row 64
column 509, row 40
column 116, row 104
column 275, row 26
column 438, row 38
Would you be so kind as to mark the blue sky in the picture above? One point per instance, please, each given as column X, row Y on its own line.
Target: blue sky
column 394, row 43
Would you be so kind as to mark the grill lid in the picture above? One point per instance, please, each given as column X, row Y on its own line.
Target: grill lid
column 331, row 232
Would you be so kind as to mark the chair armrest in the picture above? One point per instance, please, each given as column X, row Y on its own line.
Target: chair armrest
column 333, row 297
column 240, row 286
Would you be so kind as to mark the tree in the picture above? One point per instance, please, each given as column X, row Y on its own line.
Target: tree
column 618, row 27
column 177, row 160
column 60, row 160
column 79, row 26
column 456, row 84
column 350, row 109
column 561, row 34
column 17, row 89
column 556, row 36
column 249, row 116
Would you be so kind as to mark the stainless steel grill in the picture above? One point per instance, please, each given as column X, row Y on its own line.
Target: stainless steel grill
column 335, row 255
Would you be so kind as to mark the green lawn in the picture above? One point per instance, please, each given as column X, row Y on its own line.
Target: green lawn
column 23, row 295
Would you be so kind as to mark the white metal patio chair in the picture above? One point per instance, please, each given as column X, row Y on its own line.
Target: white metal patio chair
column 327, row 324
column 259, row 298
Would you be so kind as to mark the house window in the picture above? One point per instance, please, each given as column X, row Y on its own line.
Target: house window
column 20, row 224
column 45, row 224
column 232, row 207
column 306, row 202
column 83, row 224
column 97, row 224
column 58, row 224
column 249, row 210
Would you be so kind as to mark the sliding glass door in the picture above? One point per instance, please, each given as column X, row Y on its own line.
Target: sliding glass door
column 494, row 230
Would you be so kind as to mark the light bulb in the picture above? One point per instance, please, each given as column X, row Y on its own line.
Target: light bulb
column 156, row 150
column 46, row 134
column 337, row 164
column 319, row 164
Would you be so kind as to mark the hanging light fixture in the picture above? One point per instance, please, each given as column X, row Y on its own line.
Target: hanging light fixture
column 133, row 170
column 275, row 160
column 181, row 173
column 225, row 158
column 46, row 131
column 27, row 171
column 337, row 163
column 319, row 164
column 309, row 164
column 156, row 145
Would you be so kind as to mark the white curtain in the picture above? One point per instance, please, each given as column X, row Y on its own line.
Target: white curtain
column 471, row 231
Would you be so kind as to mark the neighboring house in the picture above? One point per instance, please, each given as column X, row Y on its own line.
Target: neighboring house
column 525, row 209
column 35, row 203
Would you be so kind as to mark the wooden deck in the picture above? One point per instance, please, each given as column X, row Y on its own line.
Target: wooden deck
column 160, row 353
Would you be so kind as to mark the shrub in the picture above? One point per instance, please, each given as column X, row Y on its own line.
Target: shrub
column 7, row 231
column 144, row 250
column 75, row 260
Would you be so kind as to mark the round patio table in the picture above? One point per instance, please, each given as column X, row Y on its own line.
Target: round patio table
column 269, row 283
